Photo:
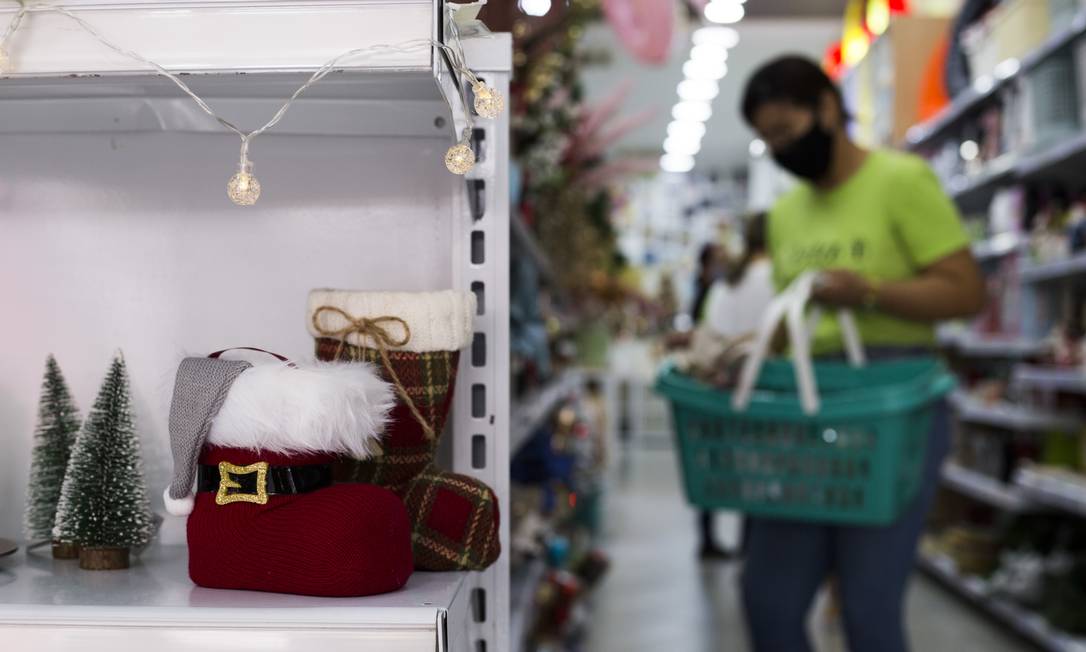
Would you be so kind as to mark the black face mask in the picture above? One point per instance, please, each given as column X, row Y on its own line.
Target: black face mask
column 808, row 156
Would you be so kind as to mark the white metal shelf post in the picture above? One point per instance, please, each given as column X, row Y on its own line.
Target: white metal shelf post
column 481, row 418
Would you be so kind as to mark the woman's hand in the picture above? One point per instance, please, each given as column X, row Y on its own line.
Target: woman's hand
column 950, row 288
column 841, row 288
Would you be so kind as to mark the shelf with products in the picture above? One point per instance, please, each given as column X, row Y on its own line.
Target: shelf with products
column 523, row 236
column 529, row 412
column 1027, row 624
column 360, row 152
column 1052, row 379
column 524, row 585
column 1061, row 489
column 999, row 246
column 983, row 184
column 971, row 344
column 988, row 490
column 1057, row 270
column 1009, row 416
column 984, row 89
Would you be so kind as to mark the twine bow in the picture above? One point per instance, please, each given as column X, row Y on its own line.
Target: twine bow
column 373, row 328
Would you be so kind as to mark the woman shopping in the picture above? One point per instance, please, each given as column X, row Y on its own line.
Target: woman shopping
column 889, row 245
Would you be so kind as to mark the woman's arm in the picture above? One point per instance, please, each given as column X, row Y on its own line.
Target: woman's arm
column 950, row 288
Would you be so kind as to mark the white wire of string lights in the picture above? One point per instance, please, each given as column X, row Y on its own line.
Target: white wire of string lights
column 244, row 188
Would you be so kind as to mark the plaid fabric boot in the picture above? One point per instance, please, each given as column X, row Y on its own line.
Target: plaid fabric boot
column 414, row 339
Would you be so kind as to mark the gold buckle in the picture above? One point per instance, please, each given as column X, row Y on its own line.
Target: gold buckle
column 226, row 470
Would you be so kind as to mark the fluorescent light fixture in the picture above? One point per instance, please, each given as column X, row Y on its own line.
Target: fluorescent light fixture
column 692, row 111
column 757, row 148
column 676, row 163
column 693, row 130
column 705, row 70
column 698, row 89
column 719, row 35
column 724, row 12
column 535, row 7
column 709, row 52
column 969, row 150
column 1006, row 69
column 682, row 146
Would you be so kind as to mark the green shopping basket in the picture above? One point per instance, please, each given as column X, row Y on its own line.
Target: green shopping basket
column 855, row 455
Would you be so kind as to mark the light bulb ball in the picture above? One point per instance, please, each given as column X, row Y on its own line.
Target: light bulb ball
column 460, row 159
column 489, row 103
column 243, row 189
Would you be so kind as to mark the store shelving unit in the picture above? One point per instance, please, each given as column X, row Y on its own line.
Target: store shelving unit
column 1007, row 498
column 985, row 89
column 1010, row 416
column 116, row 189
column 1052, row 379
column 523, row 236
column 524, row 585
column 1055, row 271
column 974, row 590
column 998, row 246
column 1052, row 491
column 973, row 345
column 530, row 412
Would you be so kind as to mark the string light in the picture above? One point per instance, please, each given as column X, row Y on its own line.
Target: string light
column 244, row 188
column 489, row 103
column 460, row 158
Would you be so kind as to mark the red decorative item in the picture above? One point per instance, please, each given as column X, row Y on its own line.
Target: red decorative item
column 344, row 540
column 643, row 26
column 415, row 341
column 254, row 448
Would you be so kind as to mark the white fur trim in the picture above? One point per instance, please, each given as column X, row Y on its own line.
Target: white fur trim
column 439, row 321
column 178, row 506
column 334, row 407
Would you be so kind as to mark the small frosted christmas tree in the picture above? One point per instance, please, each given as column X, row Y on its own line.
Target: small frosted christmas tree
column 103, row 503
column 58, row 425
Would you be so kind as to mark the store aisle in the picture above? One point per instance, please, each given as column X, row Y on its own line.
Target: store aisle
column 659, row 597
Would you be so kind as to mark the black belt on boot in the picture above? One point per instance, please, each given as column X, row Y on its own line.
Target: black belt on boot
column 255, row 482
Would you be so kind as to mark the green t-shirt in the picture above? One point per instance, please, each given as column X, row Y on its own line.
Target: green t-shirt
column 887, row 222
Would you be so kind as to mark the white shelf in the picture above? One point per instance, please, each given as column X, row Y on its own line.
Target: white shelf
column 972, row 98
column 970, row 344
column 529, row 413
column 1056, row 379
column 999, row 246
column 1011, row 417
column 985, row 489
column 1027, row 624
column 155, row 603
column 1055, row 271
column 1052, row 491
column 962, row 188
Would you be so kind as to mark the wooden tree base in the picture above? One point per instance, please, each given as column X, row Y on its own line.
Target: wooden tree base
column 65, row 550
column 103, row 558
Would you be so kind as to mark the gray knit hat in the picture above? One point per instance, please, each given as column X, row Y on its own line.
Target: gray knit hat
column 198, row 394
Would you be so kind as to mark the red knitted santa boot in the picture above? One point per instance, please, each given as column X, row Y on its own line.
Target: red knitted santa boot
column 415, row 339
column 266, row 515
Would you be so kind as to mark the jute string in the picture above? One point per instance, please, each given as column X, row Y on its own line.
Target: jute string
column 374, row 329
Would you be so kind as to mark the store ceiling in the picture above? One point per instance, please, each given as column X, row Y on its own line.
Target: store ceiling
column 725, row 145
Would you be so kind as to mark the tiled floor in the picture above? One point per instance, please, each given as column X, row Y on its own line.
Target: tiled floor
column 659, row 598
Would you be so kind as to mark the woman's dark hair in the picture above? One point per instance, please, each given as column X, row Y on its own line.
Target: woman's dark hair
column 792, row 78
column 754, row 238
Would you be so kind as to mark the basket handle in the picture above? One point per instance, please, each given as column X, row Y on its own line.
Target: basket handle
column 791, row 306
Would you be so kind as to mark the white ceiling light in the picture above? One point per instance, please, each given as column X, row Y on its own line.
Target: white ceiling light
column 702, row 69
column 757, row 148
column 698, row 89
column 688, row 146
column 725, row 37
column 692, row 130
column 535, row 7
column 676, row 163
column 724, row 12
column 709, row 52
column 692, row 111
